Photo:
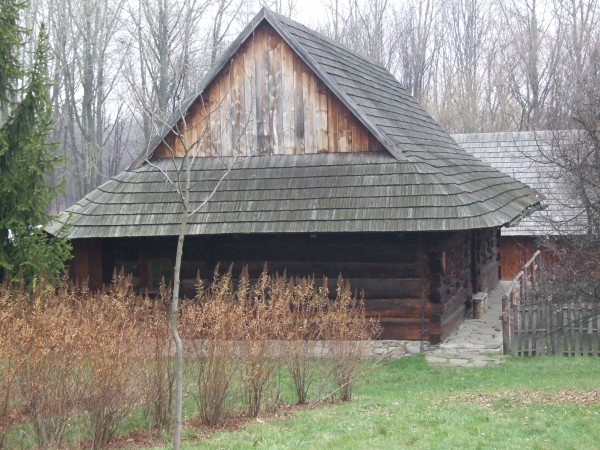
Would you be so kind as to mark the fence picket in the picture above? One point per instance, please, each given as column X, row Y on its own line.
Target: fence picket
column 536, row 327
column 560, row 331
column 521, row 331
column 514, row 340
column 552, row 337
column 585, row 320
column 576, row 329
column 595, row 324
column 541, row 340
column 532, row 330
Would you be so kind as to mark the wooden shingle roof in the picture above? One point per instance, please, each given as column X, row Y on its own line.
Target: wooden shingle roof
column 423, row 182
column 524, row 156
column 335, row 192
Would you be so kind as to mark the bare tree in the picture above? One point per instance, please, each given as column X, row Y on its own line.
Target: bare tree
column 183, row 142
column 531, row 57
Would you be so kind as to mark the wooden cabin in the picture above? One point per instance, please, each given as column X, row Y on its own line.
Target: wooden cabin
column 525, row 157
column 340, row 171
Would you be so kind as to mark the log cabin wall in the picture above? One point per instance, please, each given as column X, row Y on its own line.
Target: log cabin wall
column 394, row 270
column 87, row 262
column 268, row 101
column 486, row 253
column 450, row 281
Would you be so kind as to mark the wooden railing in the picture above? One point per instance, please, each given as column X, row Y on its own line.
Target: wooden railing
column 533, row 327
column 509, row 299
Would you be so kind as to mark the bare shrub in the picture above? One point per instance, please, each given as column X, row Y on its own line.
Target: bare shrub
column 112, row 321
column 158, row 373
column 49, row 370
column 346, row 331
column 212, row 329
column 7, row 359
column 266, row 311
column 307, row 307
column 75, row 355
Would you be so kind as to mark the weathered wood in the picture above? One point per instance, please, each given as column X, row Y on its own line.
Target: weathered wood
column 237, row 107
column 322, row 118
column 275, row 92
column 531, row 328
column 585, row 320
column 595, row 324
column 560, row 335
column 214, row 118
column 261, row 49
column 505, row 326
column 288, row 104
column 332, row 124
column 299, row 104
column 521, row 333
column 543, row 321
column 554, row 329
column 575, row 330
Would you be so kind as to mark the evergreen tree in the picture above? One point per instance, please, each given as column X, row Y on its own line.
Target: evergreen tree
column 25, row 156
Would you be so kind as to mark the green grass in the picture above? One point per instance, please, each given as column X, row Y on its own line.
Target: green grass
column 410, row 404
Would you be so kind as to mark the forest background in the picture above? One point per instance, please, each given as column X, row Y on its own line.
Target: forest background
column 475, row 65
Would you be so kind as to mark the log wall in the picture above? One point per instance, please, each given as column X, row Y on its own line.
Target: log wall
column 395, row 271
column 267, row 101
column 87, row 262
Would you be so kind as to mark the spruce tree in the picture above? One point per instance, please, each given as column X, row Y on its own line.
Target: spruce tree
column 25, row 156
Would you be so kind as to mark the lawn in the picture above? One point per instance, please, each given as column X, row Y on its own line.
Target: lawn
column 540, row 403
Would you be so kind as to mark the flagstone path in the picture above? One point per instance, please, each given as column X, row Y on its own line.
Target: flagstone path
column 476, row 342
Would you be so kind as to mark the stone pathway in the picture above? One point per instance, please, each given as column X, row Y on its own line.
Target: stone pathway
column 476, row 342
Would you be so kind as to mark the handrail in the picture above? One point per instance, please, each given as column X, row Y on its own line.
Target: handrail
column 509, row 298
column 528, row 263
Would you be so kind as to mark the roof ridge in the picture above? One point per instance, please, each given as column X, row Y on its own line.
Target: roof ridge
column 338, row 44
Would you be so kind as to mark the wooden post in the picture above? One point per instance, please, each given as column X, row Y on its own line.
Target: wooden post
column 506, row 326
column 523, row 292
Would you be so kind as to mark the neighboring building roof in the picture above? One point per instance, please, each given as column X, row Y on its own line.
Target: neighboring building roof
column 425, row 183
column 524, row 156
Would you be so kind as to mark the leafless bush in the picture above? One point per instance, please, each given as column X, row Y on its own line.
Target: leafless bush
column 307, row 306
column 212, row 327
column 265, row 311
column 158, row 374
column 346, row 331
column 70, row 356
column 112, row 322
column 7, row 359
column 75, row 355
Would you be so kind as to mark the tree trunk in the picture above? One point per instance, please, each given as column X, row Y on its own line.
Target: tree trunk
column 175, row 333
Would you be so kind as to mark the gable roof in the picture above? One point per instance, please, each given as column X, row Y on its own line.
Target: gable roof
column 520, row 155
column 363, row 85
column 423, row 182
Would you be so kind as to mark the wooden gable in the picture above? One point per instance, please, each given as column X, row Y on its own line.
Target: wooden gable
column 266, row 100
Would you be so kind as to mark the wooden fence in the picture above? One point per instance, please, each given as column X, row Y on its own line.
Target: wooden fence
column 536, row 328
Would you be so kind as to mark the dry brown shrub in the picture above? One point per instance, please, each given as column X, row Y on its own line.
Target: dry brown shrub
column 308, row 307
column 115, row 333
column 265, row 312
column 75, row 355
column 158, row 370
column 7, row 359
column 347, row 331
column 212, row 332
column 68, row 355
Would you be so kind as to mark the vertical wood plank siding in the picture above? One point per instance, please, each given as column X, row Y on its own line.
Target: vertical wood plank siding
column 268, row 101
